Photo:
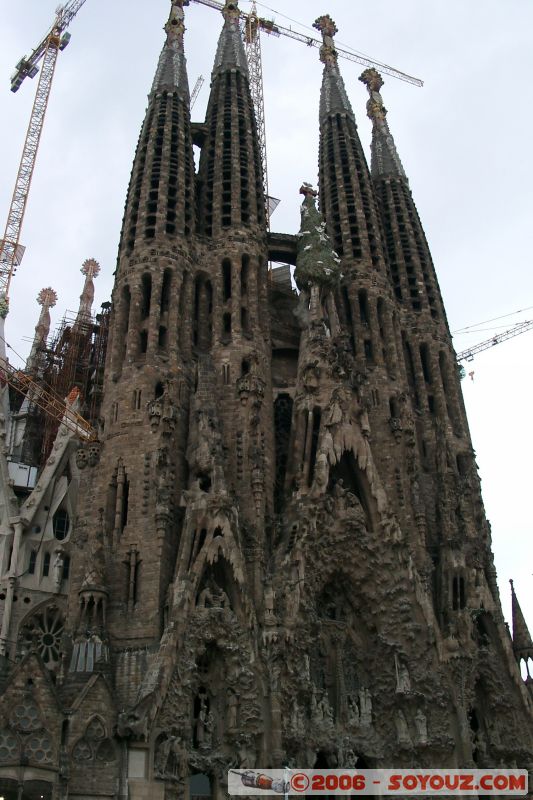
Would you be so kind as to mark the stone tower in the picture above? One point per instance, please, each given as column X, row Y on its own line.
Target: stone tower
column 279, row 553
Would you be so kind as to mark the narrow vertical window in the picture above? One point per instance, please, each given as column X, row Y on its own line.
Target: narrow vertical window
column 146, row 287
column 226, row 279
column 165, row 290
column 46, row 565
column 32, row 562
column 245, row 268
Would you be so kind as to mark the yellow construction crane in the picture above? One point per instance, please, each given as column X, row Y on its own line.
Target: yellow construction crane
column 253, row 26
column 11, row 251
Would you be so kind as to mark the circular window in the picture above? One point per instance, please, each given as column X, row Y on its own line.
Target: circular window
column 44, row 631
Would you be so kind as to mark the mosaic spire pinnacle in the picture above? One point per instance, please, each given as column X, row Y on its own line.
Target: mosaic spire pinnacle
column 385, row 158
column 171, row 74
column 333, row 98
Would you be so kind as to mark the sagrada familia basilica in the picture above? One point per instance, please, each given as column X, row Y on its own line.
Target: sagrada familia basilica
column 274, row 551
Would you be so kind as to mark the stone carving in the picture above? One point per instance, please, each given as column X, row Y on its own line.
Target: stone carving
column 403, row 681
column 57, row 568
column 162, row 412
column 212, row 596
column 421, row 727
column 402, row 730
column 365, row 707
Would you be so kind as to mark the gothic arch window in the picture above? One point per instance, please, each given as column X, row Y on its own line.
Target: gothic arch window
column 61, row 524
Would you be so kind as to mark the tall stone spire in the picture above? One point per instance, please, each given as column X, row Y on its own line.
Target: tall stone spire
column 230, row 174
column 160, row 198
column 522, row 642
column 230, row 51
column 47, row 299
column 171, row 74
column 346, row 197
column 385, row 158
column 413, row 274
column 334, row 98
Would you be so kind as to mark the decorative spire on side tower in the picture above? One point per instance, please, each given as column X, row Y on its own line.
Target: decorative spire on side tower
column 90, row 269
column 385, row 158
column 334, row 98
column 47, row 299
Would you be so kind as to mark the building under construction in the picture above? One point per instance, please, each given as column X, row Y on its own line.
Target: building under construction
column 269, row 547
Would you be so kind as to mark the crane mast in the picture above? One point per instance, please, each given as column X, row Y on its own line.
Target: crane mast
column 47, row 50
column 252, row 43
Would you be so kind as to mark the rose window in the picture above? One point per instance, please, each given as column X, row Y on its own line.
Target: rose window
column 44, row 631
column 40, row 748
column 25, row 717
column 9, row 746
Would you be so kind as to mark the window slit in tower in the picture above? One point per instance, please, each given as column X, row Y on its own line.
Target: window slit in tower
column 363, row 307
column 244, row 320
column 162, row 340
column 245, row 267
column 317, row 415
column 226, row 325
column 410, row 369
column 226, row 279
column 165, row 290
column 146, row 299
column 424, row 358
column 125, row 503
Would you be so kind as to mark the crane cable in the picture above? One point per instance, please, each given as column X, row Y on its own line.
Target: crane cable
column 468, row 328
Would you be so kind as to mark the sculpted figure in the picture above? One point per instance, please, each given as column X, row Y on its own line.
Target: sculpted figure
column 421, row 727
column 402, row 731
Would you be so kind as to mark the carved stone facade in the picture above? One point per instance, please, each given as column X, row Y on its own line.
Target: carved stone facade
column 279, row 553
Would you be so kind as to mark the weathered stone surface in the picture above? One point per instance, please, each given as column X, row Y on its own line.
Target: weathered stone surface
column 280, row 553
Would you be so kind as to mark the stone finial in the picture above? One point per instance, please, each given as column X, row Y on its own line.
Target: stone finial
column 307, row 190
column 175, row 26
column 231, row 11
column 47, row 297
column 375, row 107
column 328, row 29
column 90, row 269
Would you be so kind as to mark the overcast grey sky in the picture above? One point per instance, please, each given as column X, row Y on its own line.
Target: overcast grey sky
column 464, row 139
